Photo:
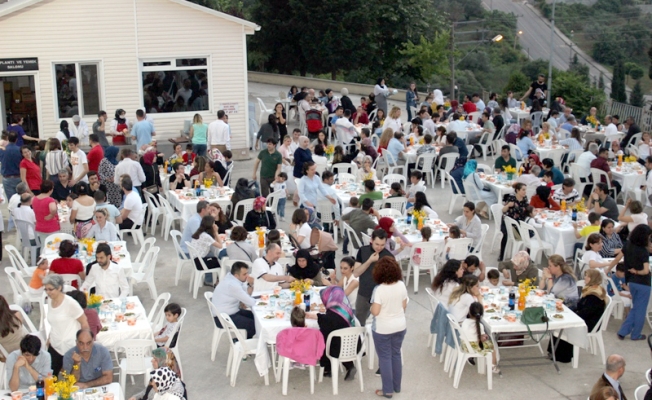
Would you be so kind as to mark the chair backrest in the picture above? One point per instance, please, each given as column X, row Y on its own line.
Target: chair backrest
column 597, row 174
column 434, row 302
column 157, row 313
column 149, row 261
column 427, row 252
column 144, row 248
column 471, row 190
column 391, row 178
column 176, row 238
column 342, row 167
column 345, row 177
column 426, row 160
column 25, row 228
column 167, row 207
column 474, row 116
column 18, row 284
column 448, row 160
column 454, row 183
column 497, row 212
column 556, row 155
column 515, row 152
column 366, row 238
column 477, row 249
column 234, row 333
column 17, row 260
column 511, row 224
column 536, row 118
column 152, row 203
column 636, row 138
column 372, row 115
column 68, row 279
column 272, row 200
column 349, row 338
column 325, row 210
column 311, row 338
column 194, row 255
column 578, row 172
column 616, row 297
column 459, row 248
column 395, row 203
column 246, row 206
column 484, row 168
column 173, row 340
column 459, row 335
column 135, row 351
column 639, row 393
column 390, row 212
column 353, row 237
column 51, row 238
column 531, row 188
column 606, row 315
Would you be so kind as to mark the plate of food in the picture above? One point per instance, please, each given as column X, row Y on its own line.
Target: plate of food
column 269, row 316
column 262, row 304
column 490, row 311
column 558, row 316
column 495, row 318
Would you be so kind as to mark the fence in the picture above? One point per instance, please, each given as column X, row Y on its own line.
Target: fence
column 642, row 116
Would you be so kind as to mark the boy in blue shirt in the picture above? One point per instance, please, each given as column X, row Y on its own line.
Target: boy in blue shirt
column 618, row 278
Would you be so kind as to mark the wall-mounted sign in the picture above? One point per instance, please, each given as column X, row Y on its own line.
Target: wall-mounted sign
column 18, row 64
column 229, row 108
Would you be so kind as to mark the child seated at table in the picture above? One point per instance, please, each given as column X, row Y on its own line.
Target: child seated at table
column 426, row 233
column 415, row 186
column 36, row 283
column 453, row 233
column 298, row 318
column 189, row 156
column 547, row 178
column 172, row 313
column 395, row 190
column 493, row 279
column 473, row 331
column 594, row 227
column 618, row 277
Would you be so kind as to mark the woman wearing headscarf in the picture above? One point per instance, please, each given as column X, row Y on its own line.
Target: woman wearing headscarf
column 381, row 93
column 338, row 314
column 242, row 192
column 305, row 267
column 590, row 308
column 167, row 385
column 119, row 127
column 152, row 178
column 106, row 171
column 438, row 98
column 387, row 224
column 518, row 269
column 160, row 359
column 259, row 217
column 64, row 134
column 542, row 199
column 479, row 195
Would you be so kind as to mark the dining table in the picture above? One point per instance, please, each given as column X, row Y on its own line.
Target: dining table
column 563, row 322
column 94, row 393
column 119, row 254
column 185, row 200
column 499, row 184
column 345, row 191
column 544, row 149
column 631, row 175
column 558, row 230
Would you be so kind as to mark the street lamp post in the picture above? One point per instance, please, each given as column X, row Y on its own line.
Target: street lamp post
column 519, row 33
column 552, row 54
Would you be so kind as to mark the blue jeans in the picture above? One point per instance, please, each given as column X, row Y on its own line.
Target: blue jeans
column 199, row 149
column 10, row 186
column 280, row 208
column 388, row 348
column 633, row 324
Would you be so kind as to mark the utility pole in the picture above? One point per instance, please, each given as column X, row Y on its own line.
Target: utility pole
column 452, row 57
column 552, row 54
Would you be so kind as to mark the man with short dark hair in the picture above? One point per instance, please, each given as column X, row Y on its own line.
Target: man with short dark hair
column 602, row 163
column 614, row 371
column 96, row 154
column 632, row 129
column 78, row 161
column 270, row 161
column 567, row 192
column 365, row 261
column 601, row 203
column 132, row 213
column 142, row 131
column 128, row 166
column 549, row 165
column 396, row 146
column 370, row 191
column 230, row 293
column 192, row 225
column 99, row 129
column 107, row 277
column 570, row 123
column 505, row 159
column 10, row 159
column 94, row 183
column 540, row 83
column 360, row 219
column 479, row 104
column 24, row 366
column 89, row 362
column 218, row 133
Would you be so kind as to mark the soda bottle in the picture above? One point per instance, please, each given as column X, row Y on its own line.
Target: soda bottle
column 574, row 215
column 512, row 300
column 306, row 301
column 197, row 188
column 40, row 388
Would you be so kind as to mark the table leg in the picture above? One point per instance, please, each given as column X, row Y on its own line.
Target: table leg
column 553, row 346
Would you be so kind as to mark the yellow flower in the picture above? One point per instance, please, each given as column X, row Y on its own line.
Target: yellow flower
column 65, row 386
column 94, row 299
column 509, row 169
column 419, row 214
column 330, row 149
column 301, row 285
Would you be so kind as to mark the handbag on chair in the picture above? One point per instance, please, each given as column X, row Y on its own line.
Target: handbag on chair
column 534, row 316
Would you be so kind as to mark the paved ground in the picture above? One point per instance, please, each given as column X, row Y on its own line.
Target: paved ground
column 423, row 375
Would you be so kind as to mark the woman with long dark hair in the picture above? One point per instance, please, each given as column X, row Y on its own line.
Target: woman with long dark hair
column 221, row 220
column 421, row 204
column 446, row 280
column 636, row 253
column 64, row 133
column 542, row 199
column 203, row 239
column 106, row 171
column 281, row 118
column 12, row 330
column 119, row 127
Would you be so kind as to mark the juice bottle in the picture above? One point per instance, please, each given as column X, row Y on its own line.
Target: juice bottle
column 563, row 206
column 49, row 389
column 620, row 160
column 297, row 298
column 541, row 139
column 521, row 298
column 261, row 237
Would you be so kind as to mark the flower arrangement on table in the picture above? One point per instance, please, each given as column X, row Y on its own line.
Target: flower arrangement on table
column 631, row 159
column 65, row 387
column 94, row 300
column 418, row 216
column 447, row 104
column 368, row 177
column 526, row 286
column 88, row 242
column 462, row 117
column 581, row 206
column 593, row 121
column 329, row 150
column 510, row 171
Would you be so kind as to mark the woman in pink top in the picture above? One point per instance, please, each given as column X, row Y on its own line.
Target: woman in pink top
column 45, row 211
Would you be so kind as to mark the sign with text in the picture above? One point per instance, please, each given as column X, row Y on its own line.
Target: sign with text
column 229, row 108
column 18, row 64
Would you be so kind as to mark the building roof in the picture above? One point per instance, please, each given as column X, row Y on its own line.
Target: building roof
column 11, row 6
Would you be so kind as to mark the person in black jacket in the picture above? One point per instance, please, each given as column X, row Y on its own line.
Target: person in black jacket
column 259, row 216
column 346, row 102
column 150, row 168
column 498, row 121
column 632, row 129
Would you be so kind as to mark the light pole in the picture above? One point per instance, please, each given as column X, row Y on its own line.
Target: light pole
column 519, row 33
column 552, row 54
column 495, row 39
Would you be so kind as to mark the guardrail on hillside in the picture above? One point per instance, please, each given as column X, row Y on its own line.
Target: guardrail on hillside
column 642, row 116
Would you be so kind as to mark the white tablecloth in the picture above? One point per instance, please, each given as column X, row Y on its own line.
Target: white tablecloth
column 268, row 328
column 188, row 206
column 544, row 151
column 561, row 237
column 119, row 253
column 110, row 388
column 499, row 188
column 629, row 178
column 346, row 191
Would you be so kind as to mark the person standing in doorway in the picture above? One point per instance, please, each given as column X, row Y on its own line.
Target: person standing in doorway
column 198, row 131
column 10, row 158
column 219, row 133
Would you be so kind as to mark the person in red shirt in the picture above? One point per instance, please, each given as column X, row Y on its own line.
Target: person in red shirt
column 30, row 172
column 360, row 116
column 602, row 162
column 94, row 322
column 189, row 156
column 542, row 199
column 66, row 264
column 96, row 154
column 468, row 105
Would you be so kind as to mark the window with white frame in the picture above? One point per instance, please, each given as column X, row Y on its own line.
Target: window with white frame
column 175, row 85
column 78, row 89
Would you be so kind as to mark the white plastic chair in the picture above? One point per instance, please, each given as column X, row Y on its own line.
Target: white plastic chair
column 155, row 211
column 391, row 178
column 617, row 300
column 264, row 111
column 536, row 118
column 449, row 159
column 51, row 238
column 136, row 231
column 434, row 302
column 390, row 212
column 639, row 393
column 349, row 338
column 217, row 332
column 477, row 249
column 532, row 241
column 556, row 155
column 198, row 275
column 515, row 152
column 20, row 288
column 474, row 116
column 458, row 248
column 26, row 228
column 146, row 273
column 342, row 168
column 462, row 355
column 156, row 314
column 485, row 144
column 182, row 258
column 395, row 203
column 595, row 336
column 455, row 197
column 284, row 362
column 497, row 212
column 345, row 177
column 241, row 348
column 137, row 361
column 325, row 211
column 512, row 244
column 246, row 206
column 68, row 279
column 147, row 244
column 392, row 164
column 226, row 263
column 647, row 376
column 598, row 174
column 427, row 253
column 18, row 262
column 175, row 337
column 169, row 217
column 353, row 237
column 427, row 161
column 272, row 202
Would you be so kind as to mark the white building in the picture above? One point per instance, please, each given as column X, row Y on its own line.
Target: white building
column 66, row 57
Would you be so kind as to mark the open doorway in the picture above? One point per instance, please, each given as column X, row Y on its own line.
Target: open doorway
column 18, row 97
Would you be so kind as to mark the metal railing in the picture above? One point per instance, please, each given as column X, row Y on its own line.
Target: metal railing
column 642, row 116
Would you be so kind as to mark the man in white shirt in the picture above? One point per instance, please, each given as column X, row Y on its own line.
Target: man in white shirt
column 610, row 129
column 428, row 122
column 192, row 225
column 14, row 201
column 107, row 277
column 457, row 125
column 230, row 293
column 345, row 129
column 532, row 178
column 79, row 129
column 132, row 212
column 296, row 143
column 78, row 161
column 129, row 167
column 566, row 115
column 267, row 272
column 585, row 159
column 328, row 178
column 218, row 133
column 479, row 104
column 24, row 212
column 648, row 187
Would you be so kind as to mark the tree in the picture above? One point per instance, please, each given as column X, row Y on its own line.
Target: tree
column 633, row 70
column 618, row 92
column 636, row 98
column 608, row 48
column 429, row 57
column 649, row 54
column 232, row 7
column 575, row 91
column 518, row 83
column 601, row 82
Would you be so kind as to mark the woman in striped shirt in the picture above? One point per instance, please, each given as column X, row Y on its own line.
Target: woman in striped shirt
column 611, row 243
column 572, row 143
column 55, row 160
